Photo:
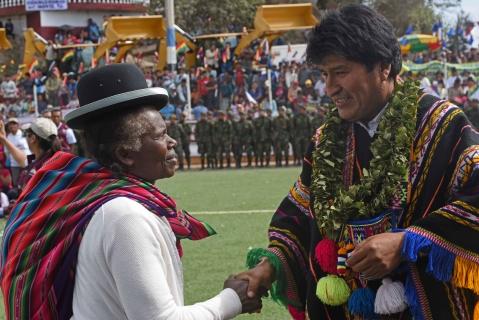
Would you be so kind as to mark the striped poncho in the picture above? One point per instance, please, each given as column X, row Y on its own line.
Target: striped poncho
column 440, row 218
column 43, row 234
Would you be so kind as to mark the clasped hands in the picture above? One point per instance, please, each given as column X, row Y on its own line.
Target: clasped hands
column 374, row 258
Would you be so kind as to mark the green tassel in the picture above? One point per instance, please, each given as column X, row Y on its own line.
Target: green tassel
column 277, row 291
column 332, row 290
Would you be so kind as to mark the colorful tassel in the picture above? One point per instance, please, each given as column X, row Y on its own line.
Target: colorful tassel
column 277, row 291
column 413, row 299
column 390, row 298
column 361, row 302
column 343, row 254
column 326, row 253
column 466, row 274
column 332, row 290
column 440, row 261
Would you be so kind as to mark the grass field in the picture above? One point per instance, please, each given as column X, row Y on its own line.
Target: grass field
column 214, row 196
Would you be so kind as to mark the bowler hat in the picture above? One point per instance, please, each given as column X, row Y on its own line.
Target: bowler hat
column 112, row 88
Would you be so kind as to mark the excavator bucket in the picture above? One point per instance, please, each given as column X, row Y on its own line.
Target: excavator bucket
column 4, row 42
column 134, row 28
column 278, row 19
column 34, row 45
column 130, row 28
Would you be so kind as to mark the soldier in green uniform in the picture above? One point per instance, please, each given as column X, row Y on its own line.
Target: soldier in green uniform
column 317, row 119
column 292, row 138
column 211, row 156
column 243, row 139
column 472, row 112
column 175, row 131
column 262, row 138
column 186, row 139
column 223, row 134
column 203, row 138
column 302, row 132
column 281, row 134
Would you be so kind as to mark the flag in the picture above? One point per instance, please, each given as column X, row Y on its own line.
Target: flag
column 181, row 48
column 68, row 55
column 32, row 66
column 250, row 98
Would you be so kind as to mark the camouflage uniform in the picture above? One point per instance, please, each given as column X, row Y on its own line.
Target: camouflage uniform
column 262, row 137
column 212, row 156
column 223, row 134
column 243, row 140
column 281, row 135
column 203, row 132
column 176, row 132
column 302, row 133
column 186, row 140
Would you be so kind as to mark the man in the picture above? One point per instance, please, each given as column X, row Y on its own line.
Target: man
column 262, row 138
column 95, row 238
column 16, row 138
column 186, row 139
column 65, row 134
column 176, row 132
column 302, row 132
column 387, row 158
column 212, row 158
column 203, row 133
column 281, row 133
column 223, row 134
column 243, row 139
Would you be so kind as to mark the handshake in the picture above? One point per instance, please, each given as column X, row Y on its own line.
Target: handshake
column 252, row 285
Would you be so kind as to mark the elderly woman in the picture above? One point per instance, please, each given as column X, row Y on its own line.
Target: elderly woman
column 94, row 238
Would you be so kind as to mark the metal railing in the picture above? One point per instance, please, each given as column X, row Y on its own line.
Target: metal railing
column 16, row 3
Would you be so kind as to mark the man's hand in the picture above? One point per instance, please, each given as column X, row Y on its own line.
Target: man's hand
column 377, row 256
column 249, row 305
column 259, row 279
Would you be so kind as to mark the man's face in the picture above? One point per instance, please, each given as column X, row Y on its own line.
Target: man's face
column 13, row 127
column 56, row 117
column 156, row 158
column 357, row 93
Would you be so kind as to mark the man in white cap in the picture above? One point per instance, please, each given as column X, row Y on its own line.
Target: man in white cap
column 15, row 136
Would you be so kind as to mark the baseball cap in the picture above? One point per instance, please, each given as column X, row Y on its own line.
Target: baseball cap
column 44, row 128
column 15, row 120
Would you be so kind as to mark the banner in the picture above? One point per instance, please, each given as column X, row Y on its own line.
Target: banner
column 288, row 53
column 435, row 65
column 46, row 5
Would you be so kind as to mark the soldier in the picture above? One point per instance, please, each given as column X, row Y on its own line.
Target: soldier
column 472, row 112
column 318, row 119
column 292, row 138
column 281, row 135
column 302, row 132
column 175, row 131
column 211, row 156
column 203, row 138
column 223, row 134
column 262, row 137
column 243, row 139
column 186, row 138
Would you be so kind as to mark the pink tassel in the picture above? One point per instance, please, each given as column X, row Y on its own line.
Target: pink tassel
column 326, row 253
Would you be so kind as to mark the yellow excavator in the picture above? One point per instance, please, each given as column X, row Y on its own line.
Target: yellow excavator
column 4, row 42
column 271, row 21
column 126, row 31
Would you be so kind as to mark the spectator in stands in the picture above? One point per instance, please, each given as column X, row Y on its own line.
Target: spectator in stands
column 26, row 84
column 198, row 110
column 50, row 53
column 9, row 88
column 65, row 134
column 456, row 93
column 42, row 103
column 52, row 87
column 94, row 32
column 16, row 147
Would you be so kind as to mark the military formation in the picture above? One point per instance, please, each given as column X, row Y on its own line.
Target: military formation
column 250, row 139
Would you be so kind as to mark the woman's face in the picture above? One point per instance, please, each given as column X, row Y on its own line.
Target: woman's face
column 156, row 158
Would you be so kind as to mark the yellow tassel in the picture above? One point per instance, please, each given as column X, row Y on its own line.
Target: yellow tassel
column 476, row 311
column 466, row 274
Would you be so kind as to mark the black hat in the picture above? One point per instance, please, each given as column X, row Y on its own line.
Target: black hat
column 111, row 88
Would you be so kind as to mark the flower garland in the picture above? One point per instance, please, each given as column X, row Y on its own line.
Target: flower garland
column 334, row 203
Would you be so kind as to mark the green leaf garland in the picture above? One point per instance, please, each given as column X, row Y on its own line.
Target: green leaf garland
column 334, row 204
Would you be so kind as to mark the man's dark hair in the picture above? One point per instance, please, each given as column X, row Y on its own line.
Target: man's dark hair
column 357, row 33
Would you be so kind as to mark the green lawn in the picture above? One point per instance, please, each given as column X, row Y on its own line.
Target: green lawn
column 208, row 262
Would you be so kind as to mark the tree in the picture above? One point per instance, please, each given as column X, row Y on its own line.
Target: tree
column 198, row 17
